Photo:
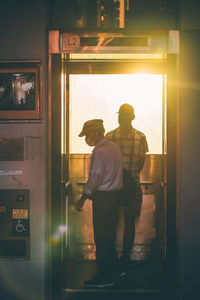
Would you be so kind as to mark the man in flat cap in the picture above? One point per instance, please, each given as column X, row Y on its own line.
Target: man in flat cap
column 133, row 146
column 103, row 187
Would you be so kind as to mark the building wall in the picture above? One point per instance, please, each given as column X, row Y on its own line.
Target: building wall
column 189, row 164
column 23, row 36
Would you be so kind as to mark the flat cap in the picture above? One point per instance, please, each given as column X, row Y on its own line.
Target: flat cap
column 91, row 125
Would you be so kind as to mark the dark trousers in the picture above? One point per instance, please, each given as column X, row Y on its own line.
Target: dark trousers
column 105, row 216
column 130, row 212
column 129, row 232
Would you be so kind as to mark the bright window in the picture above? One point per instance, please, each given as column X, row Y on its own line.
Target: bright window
column 100, row 96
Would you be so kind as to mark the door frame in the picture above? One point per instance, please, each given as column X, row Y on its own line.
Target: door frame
column 56, row 184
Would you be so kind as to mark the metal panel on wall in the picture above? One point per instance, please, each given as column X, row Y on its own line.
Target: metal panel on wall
column 14, row 224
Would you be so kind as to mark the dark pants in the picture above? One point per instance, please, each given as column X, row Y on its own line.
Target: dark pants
column 105, row 217
column 129, row 233
column 130, row 212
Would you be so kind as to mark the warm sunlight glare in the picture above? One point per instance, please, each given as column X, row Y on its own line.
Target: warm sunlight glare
column 100, row 96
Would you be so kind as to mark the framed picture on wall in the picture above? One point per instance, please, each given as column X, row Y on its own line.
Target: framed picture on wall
column 20, row 90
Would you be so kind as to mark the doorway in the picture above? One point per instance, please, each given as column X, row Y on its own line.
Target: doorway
column 100, row 96
column 84, row 89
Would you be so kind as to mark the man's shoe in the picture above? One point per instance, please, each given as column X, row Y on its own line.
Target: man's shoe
column 119, row 276
column 99, row 282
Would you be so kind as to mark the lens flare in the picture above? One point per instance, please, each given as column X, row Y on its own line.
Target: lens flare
column 58, row 235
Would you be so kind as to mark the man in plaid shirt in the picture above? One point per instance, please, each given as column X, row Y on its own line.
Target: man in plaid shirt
column 133, row 146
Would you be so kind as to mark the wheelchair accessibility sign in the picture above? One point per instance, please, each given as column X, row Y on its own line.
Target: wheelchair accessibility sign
column 20, row 227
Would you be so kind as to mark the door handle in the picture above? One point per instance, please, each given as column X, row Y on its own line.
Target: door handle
column 147, row 182
column 83, row 182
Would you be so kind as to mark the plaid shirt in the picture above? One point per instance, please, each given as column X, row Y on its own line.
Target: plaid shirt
column 134, row 142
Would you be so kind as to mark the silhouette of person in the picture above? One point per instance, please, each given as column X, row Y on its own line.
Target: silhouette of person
column 103, row 188
column 133, row 146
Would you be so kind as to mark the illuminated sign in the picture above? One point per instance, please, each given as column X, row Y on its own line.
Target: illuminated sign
column 166, row 41
column 20, row 213
column 70, row 41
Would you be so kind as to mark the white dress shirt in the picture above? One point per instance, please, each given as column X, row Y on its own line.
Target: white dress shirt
column 106, row 168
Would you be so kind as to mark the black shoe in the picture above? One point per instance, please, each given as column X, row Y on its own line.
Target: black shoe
column 99, row 282
column 119, row 275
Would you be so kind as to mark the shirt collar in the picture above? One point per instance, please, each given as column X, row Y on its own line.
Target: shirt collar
column 101, row 142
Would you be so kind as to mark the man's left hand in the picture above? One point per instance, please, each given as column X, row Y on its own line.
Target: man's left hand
column 80, row 203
